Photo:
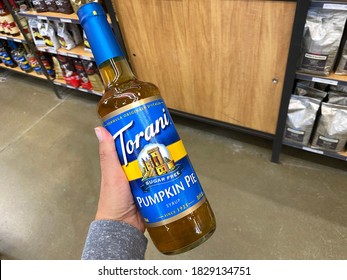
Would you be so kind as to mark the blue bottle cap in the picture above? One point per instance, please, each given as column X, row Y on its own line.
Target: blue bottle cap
column 99, row 33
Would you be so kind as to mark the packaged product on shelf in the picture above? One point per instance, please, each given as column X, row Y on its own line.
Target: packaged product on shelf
column 2, row 31
column 25, row 26
column 35, row 32
column 46, row 60
column 307, row 83
column 64, row 6
column 341, row 68
column 19, row 55
column 331, row 132
column 69, row 71
column 7, row 22
column 34, row 63
column 65, row 39
column 86, row 43
column 47, row 32
column 2, row 13
column 10, row 26
column 304, row 90
column 322, row 36
column 57, row 69
column 5, row 55
column 85, row 83
column 51, row 6
column 302, row 112
column 319, row 86
column 338, row 98
column 339, row 88
column 39, row 6
column 23, row 5
column 75, row 32
column 93, row 75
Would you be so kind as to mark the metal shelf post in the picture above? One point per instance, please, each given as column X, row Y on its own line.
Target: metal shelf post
column 302, row 7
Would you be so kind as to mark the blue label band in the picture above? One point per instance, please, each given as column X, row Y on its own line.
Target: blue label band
column 163, row 182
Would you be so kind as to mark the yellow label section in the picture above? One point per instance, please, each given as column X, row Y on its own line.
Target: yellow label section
column 176, row 150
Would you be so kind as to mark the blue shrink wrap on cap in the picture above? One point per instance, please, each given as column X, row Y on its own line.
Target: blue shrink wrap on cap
column 99, row 33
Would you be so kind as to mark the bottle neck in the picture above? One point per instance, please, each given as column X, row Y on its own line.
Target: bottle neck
column 115, row 71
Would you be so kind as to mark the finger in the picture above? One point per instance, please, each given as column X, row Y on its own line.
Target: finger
column 111, row 169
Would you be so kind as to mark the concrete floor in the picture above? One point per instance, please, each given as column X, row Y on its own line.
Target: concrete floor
column 49, row 184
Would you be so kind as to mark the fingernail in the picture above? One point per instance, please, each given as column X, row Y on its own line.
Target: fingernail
column 98, row 133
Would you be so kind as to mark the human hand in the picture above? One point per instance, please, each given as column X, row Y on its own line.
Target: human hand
column 116, row 201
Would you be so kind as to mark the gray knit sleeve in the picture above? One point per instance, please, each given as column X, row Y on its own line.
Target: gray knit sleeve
column 114, row 240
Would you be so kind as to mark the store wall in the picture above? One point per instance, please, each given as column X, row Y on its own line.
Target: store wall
column 212, row 58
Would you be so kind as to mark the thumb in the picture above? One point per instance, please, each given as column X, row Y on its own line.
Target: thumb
column 111, row 168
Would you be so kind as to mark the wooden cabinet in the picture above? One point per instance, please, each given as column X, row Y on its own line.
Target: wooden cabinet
column 223, row 60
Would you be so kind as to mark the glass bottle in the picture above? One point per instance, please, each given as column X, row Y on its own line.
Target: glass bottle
column 164, row 184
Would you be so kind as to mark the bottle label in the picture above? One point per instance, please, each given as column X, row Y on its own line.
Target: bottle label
column 163, row 182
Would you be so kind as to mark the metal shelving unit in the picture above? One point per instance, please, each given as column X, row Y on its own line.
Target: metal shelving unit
column 291, row 75
column 23, row 38
column 19, row 39
column 342, row 155
column 332, row 79
column 69, row 18
column 18, row 70
column 77, row 52
column 62, row 83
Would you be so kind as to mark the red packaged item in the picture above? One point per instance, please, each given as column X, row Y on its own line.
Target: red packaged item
column 70, row 74
column 85, row 83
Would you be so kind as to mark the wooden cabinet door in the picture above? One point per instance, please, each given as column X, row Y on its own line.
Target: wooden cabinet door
column 213, row 58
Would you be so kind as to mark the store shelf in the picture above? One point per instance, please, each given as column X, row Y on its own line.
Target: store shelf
column 332, row 79
column 77, row 52
column 62, row 83
column 17, row 69
column 335, row 5
column 18, row 38
column 292, row 75
column 341, row 155
column 71, row 18
column 58, row 82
